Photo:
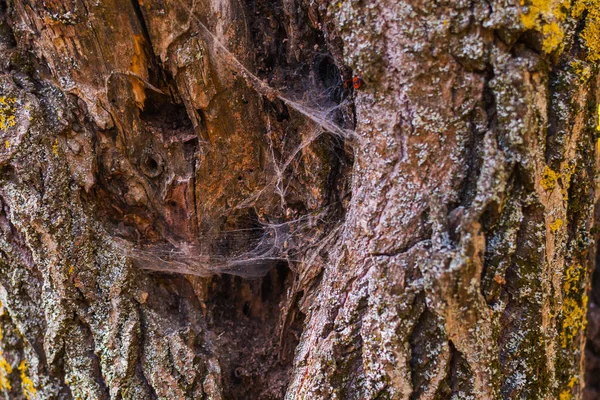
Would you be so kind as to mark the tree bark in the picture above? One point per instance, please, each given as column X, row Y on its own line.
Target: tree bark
column 298, row 199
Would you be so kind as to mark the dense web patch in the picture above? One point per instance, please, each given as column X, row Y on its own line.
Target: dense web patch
column 307, row 105
column 257, row 250
column 252, row 252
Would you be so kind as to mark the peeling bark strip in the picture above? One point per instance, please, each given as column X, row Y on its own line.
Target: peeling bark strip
column 298, row 199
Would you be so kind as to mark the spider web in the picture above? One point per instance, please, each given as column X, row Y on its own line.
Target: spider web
column 252, row 252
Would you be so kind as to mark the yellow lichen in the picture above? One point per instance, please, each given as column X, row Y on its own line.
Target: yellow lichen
column 545, row 16
column 566, row 172
column 567, row 394
column 573, row 276
column 573, row 320
column 591, row 31
column 7, row 112
column 573, row 311
column 553, row 37
column 5, row 371
column 26, row 384
column 582, row 69
column 549, row 179
column 55, row 147
column 556, row 225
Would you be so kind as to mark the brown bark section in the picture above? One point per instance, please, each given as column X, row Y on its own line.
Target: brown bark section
column 197, row 200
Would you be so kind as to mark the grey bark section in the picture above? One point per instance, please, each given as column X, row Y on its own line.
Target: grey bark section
column 447, row 256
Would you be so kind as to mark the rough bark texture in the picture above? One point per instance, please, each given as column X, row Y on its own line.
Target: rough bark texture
column 300, row 199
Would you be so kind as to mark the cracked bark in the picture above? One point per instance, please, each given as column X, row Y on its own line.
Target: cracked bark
column 176, row 223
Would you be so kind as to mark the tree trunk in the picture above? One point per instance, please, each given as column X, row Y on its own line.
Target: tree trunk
column 298, row 199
